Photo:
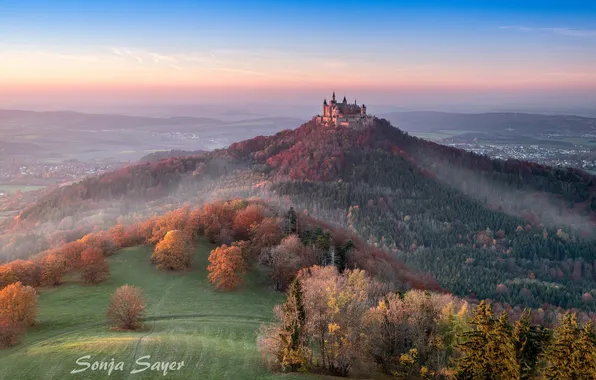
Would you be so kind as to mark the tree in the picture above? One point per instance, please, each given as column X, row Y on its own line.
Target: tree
column 127, row 307
column 247, row 219
column 283, row 261
column 94, row 267
column 53, row 268
column 529, row 342
column 290, row 222
column 584, row 352
column 559, row 355
column 294, row 353
column 10, row 332
column 18, row 304
column 173, row 252
column 226, row 267
column 473, row 363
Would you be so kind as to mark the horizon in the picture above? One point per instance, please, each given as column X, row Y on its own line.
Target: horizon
column 411, row 54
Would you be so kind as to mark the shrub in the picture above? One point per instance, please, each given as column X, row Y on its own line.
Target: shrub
column 126, row 308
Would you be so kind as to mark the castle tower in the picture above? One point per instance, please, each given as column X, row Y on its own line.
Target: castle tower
column 325, row 107
column 333, row 98
column 345, row 100
column 363, row 110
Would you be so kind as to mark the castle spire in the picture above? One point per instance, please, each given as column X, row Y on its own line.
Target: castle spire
column 345, row 100
column 325, row 101
column 333, row 99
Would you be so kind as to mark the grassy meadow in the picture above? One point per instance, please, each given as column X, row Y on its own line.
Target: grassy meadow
column 213, row 332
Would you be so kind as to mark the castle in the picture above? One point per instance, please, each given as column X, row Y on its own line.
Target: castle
column 342, row 114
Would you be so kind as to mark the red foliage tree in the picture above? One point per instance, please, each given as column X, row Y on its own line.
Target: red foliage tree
column 94, row 267
column 246, row 219
column 53, row 267
column 126, row 308
column 10, row 332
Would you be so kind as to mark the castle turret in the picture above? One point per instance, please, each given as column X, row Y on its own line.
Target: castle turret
column 345, row 100
column 363, row 110
column 333, row 98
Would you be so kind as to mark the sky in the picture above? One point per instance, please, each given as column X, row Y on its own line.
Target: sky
column 384, row 52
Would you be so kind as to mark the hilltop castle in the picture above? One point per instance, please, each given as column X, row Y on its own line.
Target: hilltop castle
column 344, row 113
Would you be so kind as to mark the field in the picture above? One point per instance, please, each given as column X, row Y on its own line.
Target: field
column 213, row 332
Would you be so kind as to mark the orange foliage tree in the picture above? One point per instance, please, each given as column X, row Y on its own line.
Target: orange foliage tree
column 18, row 304
column 246, row 219
column 267, row 234
column 94, row 267
column 227, row 267
column 173, row 252
column 53, row 267
column 126, row 308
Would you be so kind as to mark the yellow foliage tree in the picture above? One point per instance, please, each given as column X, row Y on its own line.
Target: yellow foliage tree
column 173, row 252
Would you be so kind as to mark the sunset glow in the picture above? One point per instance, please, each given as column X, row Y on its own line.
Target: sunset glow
column 186, row 48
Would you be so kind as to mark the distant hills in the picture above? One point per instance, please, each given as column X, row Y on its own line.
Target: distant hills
column 507, row 123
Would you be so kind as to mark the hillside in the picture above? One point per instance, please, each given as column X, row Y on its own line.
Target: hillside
column 517, row 232
column 212, row 332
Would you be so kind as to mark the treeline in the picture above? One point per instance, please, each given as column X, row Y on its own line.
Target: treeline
column 340, row 323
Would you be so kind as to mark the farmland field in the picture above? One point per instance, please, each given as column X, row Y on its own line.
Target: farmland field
column 213, row 332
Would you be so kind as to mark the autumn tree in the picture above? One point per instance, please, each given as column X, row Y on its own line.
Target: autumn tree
column 267, row 234
column 53, row 268
column 18, row 304
column 246, row 219
column 170, row 221
column 127, row 307
column 283, row 261
column 173, row 252
column 94, row 267
column 10, row 332
column 101, row 240
column 293, row 337
column 226, row 267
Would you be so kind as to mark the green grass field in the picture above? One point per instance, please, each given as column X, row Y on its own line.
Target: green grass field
column 213, row 332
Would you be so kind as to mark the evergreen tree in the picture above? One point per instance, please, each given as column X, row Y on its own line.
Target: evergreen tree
column 584, row 353
column 474, row 362
column 529, row 342
column 291, row 222
column 294, row 317
column 559, row 355
column 500, row 350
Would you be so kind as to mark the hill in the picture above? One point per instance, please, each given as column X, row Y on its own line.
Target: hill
column 496, row 122
column 212, row 332
column 516, row 232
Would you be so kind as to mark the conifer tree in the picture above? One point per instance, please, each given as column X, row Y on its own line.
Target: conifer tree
column 500, row 350
column 291, row 222
column 529, row 342
column 294, row 319
column 583, row 357
column 559, row 355
column 474, row 363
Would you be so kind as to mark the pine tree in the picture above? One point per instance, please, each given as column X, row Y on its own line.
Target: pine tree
column 584, row 353
column 294, row 319
column 474, row 363
column 560, row 352
column 500, row 350
column 291, row 222
column 529, row 342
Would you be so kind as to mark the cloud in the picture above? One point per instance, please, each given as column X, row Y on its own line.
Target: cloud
column 560, row 31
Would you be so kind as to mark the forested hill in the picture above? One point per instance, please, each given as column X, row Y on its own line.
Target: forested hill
column 513, row 231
